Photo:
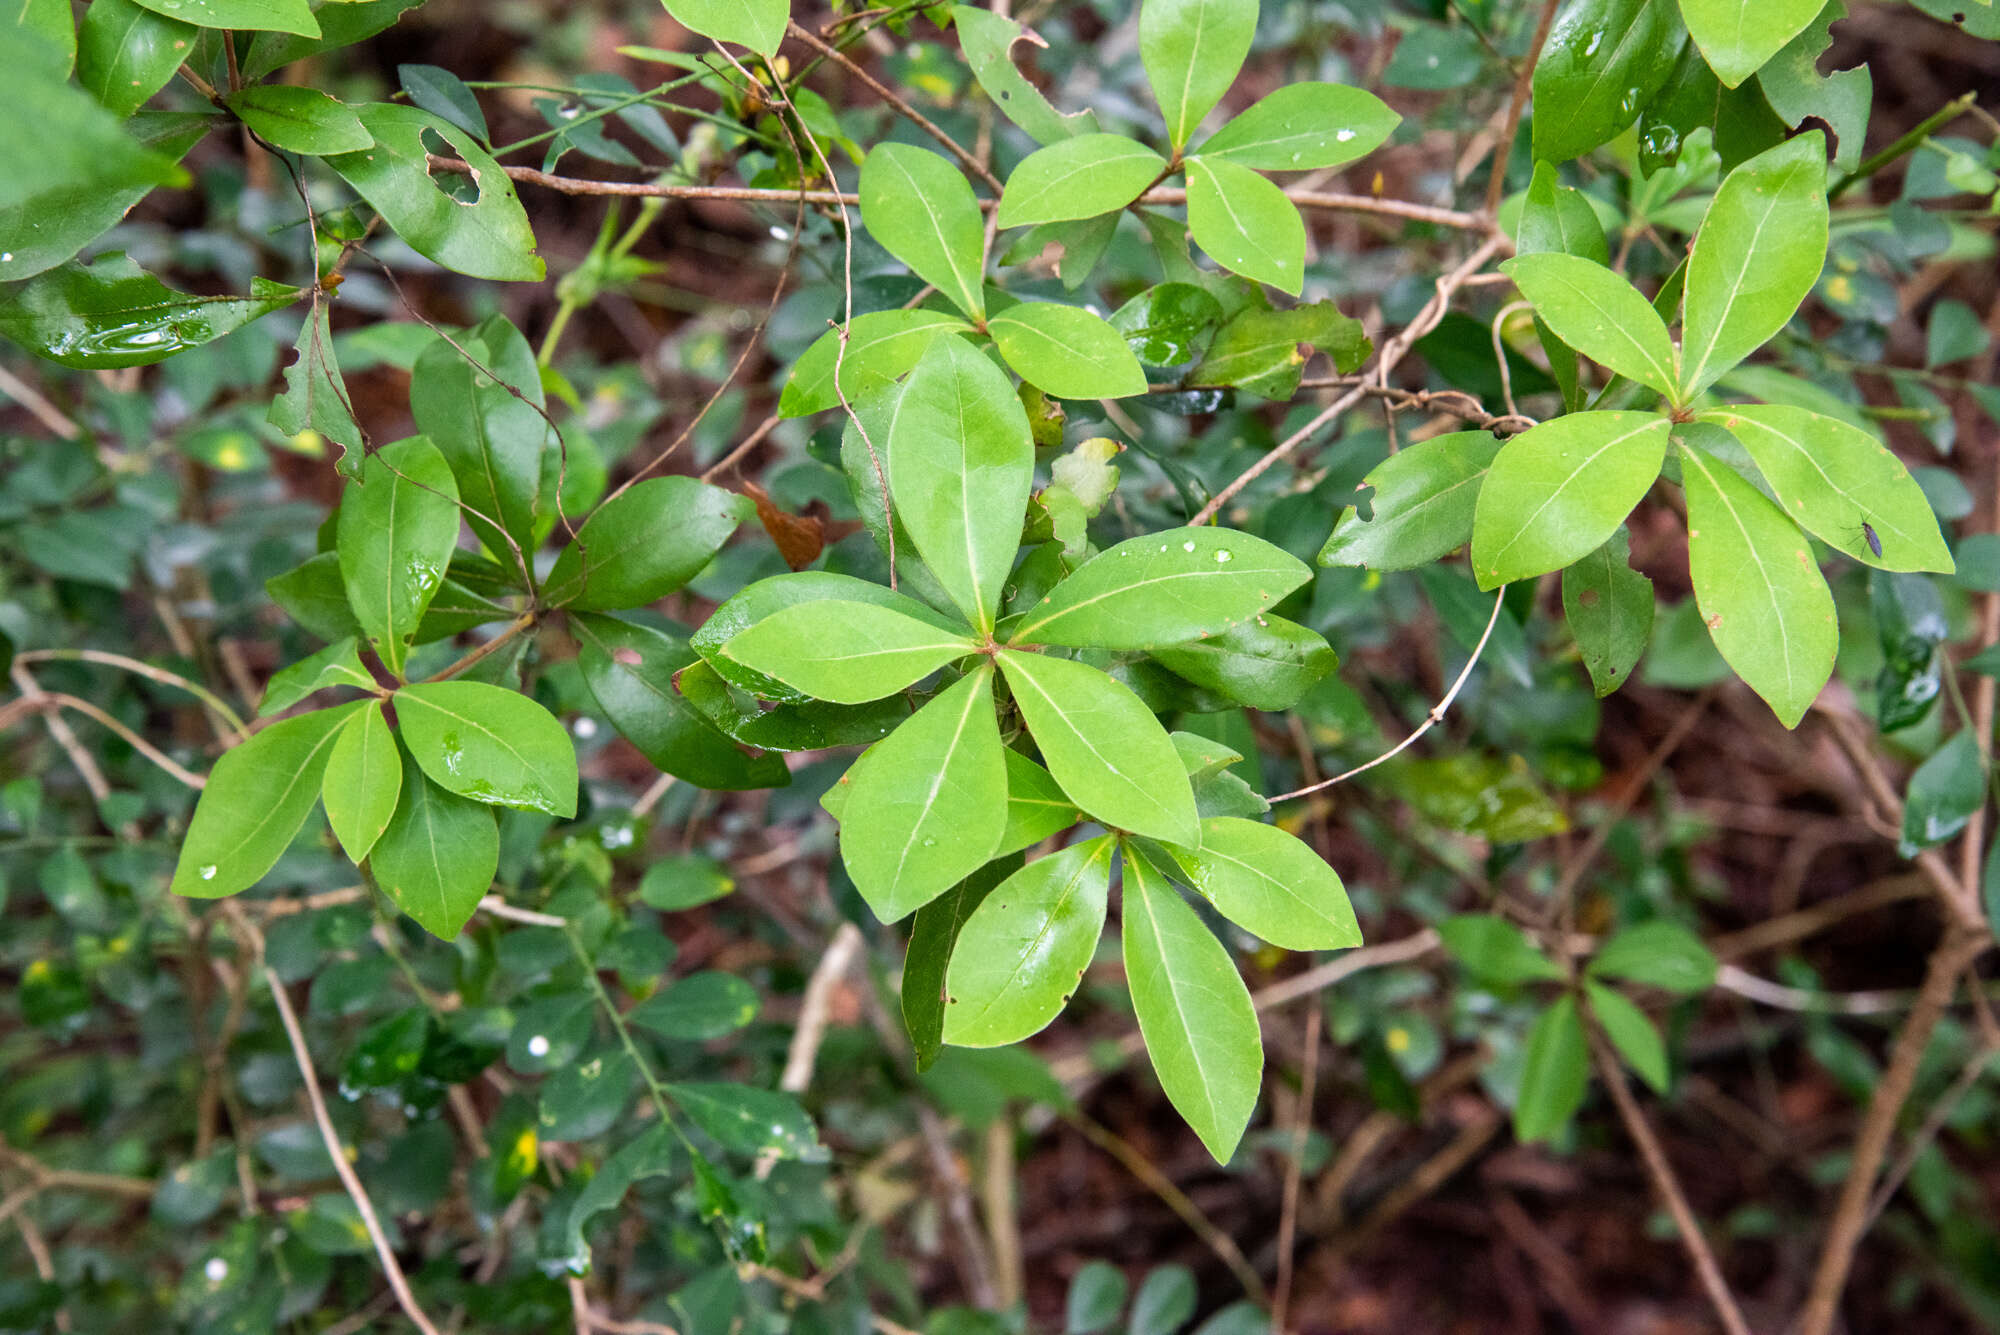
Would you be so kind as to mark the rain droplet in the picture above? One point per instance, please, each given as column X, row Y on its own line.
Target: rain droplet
column 585, row 727
column 1343, row 136
column 5, row 256
column 1224, row 555
column 208, row 872
column 538, row 1046
column 1188, row 546
column 216, row 1270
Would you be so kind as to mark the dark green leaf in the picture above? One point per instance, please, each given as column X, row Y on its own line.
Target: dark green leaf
column 397, row 529
column 1944, row 792
column 645, row 544
column 487, row 421
column 746, row 1120
column 933, row 935
column 125, row 53
column 698, row 1007
column 1554, row 1074
column 110, row 313
column 1609, row 608
column 1604, row 61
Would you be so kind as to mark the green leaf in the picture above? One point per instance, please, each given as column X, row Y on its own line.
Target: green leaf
column 1798, row 92
column 881, row 349
column 255, row 799
column 960, row 463
column 96, row 174
column 643, row 545
column 339, row 664
column 1944, row 792
column 923, row 212
column 299, row 120
column 1558, row 219
column 1266, row 662
column 437, row 857
column 1161, row 590
column 1495, row 951
column 1609, row 608
column 757, row 24
column 1245, row 223
column 125, row 53
column 1422, row 504
column 443, row 93
column 1833, row 477
column 1097, row 1295
column 340, row 25
column 750, row 1121
column 1258, row 350
column 294, row 16
column 806, row 726
column 1037, row 807
column 846, row 652
column 1065, row 351
column 1079, row 177
column 1194, row 1012
column 1765, row 603
column 1599, row 314
column 1604, row 61
column 933, row 935
column 1270, row 884
column 111, row 313
column 364, row 779
column 1304, row 127
column 1556, row 492
column 767, row 597
column 397, row 529
column 1023, row 951
column 1637, row 1041
column 315, row 397
column 1736, row 37
column 1191, row 50
column 1104, row 747
column 489, row 744
column 1658, row 954
column 685, row 881
column 1756, row 257
column 988, row 40
column 487, row 238
column 1554, row 1074
column 926, row 807
column 654, row 1152
column 491, row 431
column 698, row 1007
column 1169, row 325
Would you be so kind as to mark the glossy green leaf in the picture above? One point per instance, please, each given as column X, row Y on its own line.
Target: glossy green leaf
column 397, row 529
column 960, row 463
column 757, row 24
column 698, row 1007
column 1599, row 314
column 1736, row 37
column 1609, row 608
column 1604, row 60
column 1245, row 223
column 1756, row 257
column 1260, row 350
column 1078, row 177
column 1833, row 478
column 1658, row 954
column 1191, row 50
column 1194, row 1012
column 339, row 664
column 1554, row 1074
column 125, row 53
column 923, row 212
column 1266, row 662
column 490, row 744
column 750, row 1121
column 363, row 780
column 110, row 313
column 926, row 807
column 1163, row 589
column 810, row 725
column 315, row 397
column 1765, row 603
column 1022, row 953
column 294, row 16
column 1421, row 504
column 1037, row 807
column 437, row 857
column 987, row 40
column 1558, row 219
column 881, row 348
column 71, row 201
column 645, row 544
column 255, row 799
column 340, row 25
column 1944, row 792
column 488, row 238
column 846, row 652
column 299, row 120
column 1304, row 127
column 1065, row 351
column 1631, row 1033
column 491, row 431
column 1798, row 92
column 1558, row 491
column 933, row 936
column 1169, row 324
column 767, row 597
column 1495, row 951
column 1104, row 747
column 1270, row 884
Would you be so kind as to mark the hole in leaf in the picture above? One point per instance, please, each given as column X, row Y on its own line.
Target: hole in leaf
column 460, row 186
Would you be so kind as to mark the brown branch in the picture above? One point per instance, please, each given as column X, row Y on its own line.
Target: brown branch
column 1288, row 1208
column 1497, row 186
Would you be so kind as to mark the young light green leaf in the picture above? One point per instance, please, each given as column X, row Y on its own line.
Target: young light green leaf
column 293, row 16
column 1104, row 747
column 1037, row 807
column 256, row 798
column 988, row 40
column 757, row 24
column 364, row 779
column 1833, row 478
column 489, row 744
column 490, row 430
column 846, row 652
column 299, row 120
column 1191, row 50
column 1604, row 61
column 1421, row 507
column 923, row 212
column 1078, row 177
column 397, row 528
column 1023, row 951
column 339, row 664
column 1758, row 253
column 1658, row 954
column 110, row 313
column 1494, row 950
column 1065, row 351
column 926, row 807
column 1736, row 37
column 1609, row 608
column 881, row 348
column 1765, row 603
column 1557, row 491
column 1245, row 223
column 125, row 53
column 1631, row 1033
column 1270, row 884
column 1163, row 589
column 1599, row 314
column 1194, row 1012
column 1554, row 1074
column 960, row 463
column 643, row 545
column 437, row 857
column 1266, row 662
column 1304, row 127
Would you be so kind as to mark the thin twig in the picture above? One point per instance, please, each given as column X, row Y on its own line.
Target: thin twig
column 224, row 714
column 1496, row 187
column 51, row 700
column 1288, row 1209
column 31, row 398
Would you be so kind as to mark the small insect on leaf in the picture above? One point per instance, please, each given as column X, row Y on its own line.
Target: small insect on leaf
column 1874, row 543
